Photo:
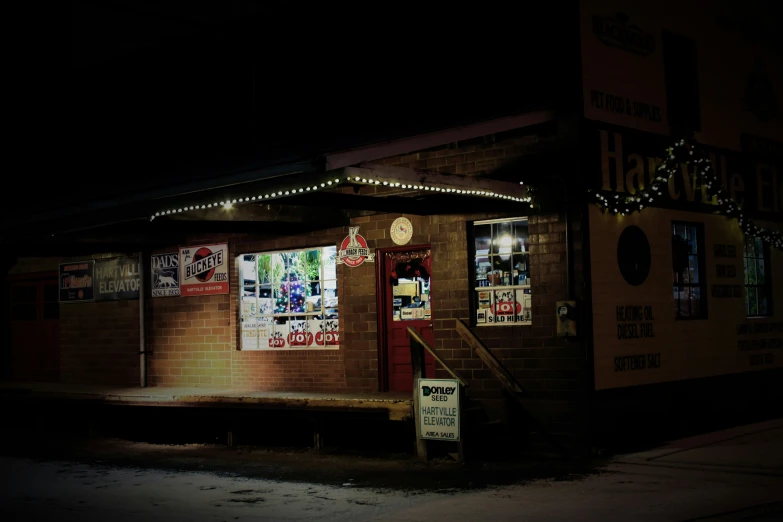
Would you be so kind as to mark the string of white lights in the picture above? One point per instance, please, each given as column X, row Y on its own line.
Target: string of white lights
column 686, row 153
column 332, row 183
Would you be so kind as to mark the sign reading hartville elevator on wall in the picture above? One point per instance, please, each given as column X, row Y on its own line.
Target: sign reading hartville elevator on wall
column 438, row 409
column 76, row 281
column 117, row 279
column 164, row 273
column 204, row 270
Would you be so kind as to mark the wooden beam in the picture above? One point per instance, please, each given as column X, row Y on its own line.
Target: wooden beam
column 279, row 212
column 398, row 204
column 418, row 338
column 434, row 139
column 434, row 181
column 419, row 372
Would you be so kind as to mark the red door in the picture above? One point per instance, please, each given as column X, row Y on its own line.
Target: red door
column 35, row 329
column 405, row 303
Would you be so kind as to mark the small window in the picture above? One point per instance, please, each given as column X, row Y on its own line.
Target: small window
column 501, row 286
column 289, row 300
column 758, row 288
column 688, row 259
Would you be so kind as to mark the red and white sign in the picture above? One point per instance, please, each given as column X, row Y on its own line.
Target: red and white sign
column 203, row 270
column 353, row 250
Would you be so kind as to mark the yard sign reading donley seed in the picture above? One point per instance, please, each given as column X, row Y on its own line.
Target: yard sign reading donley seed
column 439, row 409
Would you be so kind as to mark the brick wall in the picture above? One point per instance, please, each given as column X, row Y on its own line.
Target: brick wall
column 190, row 339
column 553, row 370
column 473, row 157
column 195, row 340
column 99, row 343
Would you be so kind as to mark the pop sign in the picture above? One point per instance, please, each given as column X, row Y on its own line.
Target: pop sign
column 353, row 250
column 438, row 409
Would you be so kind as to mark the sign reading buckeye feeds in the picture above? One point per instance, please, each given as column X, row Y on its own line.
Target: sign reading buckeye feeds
column 204, row 270
column 438, row 409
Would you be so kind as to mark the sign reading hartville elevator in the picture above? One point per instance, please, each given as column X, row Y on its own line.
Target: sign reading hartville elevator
column 204, row 270
column 165, row 274
column 439, row 409
column 117, row 279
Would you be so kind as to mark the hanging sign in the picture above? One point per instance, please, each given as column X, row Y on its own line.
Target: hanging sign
column 353, row 250
column 76, row 281
column 165, row 274
column 203, row 270
column 438, row 409
column 401, row 231
column 117, row 279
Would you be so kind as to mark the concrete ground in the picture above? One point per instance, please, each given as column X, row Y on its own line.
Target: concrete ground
column 729, row 475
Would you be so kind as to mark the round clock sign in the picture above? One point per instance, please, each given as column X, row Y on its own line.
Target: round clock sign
column 401, row 231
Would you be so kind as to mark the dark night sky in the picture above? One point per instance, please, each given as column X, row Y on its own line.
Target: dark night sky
column 152, row 96
column 148, row 95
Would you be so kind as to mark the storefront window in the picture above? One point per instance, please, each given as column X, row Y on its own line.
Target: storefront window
column 502, row 278
column 289, row 300
column 758, row 291
column 690, row 285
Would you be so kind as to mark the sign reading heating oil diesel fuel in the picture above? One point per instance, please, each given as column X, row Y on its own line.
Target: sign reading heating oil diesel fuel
column 439, row 409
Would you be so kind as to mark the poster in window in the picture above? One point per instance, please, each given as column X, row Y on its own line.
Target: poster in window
column 505, row 308
column 204, row 270
column 299, row 335
column 249, row 334
column 279, row 338
column 265, row 328
column 265, row 306
column 330, row 335
column 484, row 299
column 76, row 281
column 249, row 306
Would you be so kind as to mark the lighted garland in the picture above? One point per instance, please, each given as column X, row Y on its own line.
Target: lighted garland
column 685, row 153
column 333, row 183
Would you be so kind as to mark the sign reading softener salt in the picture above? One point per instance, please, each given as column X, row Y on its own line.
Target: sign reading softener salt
column 439, row 409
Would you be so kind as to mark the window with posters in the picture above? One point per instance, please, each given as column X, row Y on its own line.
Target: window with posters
column 289, row 300
column 501, row 290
